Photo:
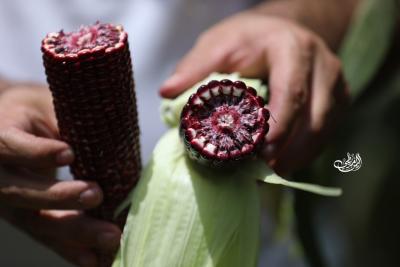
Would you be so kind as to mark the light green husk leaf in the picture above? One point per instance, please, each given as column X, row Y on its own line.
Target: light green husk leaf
column 183, row 214
column 263, row 173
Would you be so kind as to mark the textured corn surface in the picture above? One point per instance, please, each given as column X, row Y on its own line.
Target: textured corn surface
column 95, row 105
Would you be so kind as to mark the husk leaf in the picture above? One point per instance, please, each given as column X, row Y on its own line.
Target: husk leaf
column 184, row 214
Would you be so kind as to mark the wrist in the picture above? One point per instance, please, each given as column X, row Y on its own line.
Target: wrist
column 27, row 87
column 328, row 18
column 26, row 94
column 4, row 85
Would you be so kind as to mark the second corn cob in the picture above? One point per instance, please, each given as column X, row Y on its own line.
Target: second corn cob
column 90, row 76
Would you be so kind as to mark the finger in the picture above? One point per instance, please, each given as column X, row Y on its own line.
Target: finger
column 249, row 61
column 205, row 57
column 328, row 92
column 36, row 194
column 46, row 129
column 290, row 69
column 69, row 228
column 93, row 233
column 294, row 155
column 27, row 150
column 329, row 98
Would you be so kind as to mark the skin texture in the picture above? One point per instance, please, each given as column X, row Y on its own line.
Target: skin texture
column 29, row 152
column 272, row 42
column 287, row 42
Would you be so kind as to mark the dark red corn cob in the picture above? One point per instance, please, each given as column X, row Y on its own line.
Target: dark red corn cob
column 224, row 122
column 91, row 79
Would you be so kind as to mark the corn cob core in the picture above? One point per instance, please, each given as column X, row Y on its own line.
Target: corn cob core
column 224, row 122
column 90, row 76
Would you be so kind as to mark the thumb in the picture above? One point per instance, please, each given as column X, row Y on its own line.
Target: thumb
column 202, row 60
column 26, row 150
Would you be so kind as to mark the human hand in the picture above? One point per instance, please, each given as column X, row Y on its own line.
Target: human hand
column 30, row 197
column 307, row 91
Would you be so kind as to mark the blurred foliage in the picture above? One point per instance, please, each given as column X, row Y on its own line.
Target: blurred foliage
column 367, row 42
column 366, row 212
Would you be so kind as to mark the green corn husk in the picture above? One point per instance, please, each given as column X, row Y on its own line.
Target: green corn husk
column 185, row 214
column 367, row 42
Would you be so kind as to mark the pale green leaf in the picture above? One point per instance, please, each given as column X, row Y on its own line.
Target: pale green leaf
column 312, row 188
column 262, row 172
column 183, row 214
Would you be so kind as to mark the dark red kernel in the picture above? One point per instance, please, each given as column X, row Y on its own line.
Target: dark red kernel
column 252, row 91
column 226, row 82
column 239, row 84
column 202, row 88
column 213, row 84
column 260, row 100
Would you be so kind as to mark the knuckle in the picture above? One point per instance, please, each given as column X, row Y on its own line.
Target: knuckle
column 288, row 37
column 3, row 143
column 10, row 191
column 307, row 41
column 6, row 134
column 301, row 37
column 298, row 95
column 299, row 40
column 318, row 41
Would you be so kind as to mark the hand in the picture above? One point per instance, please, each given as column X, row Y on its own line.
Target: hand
column 30, row 196
column 307, row 91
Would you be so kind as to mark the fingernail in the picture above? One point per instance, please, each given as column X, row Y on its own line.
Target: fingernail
column 169, row 83
column 109, row 240
column 65, row 157
column 90, row 197
column 87, row 260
